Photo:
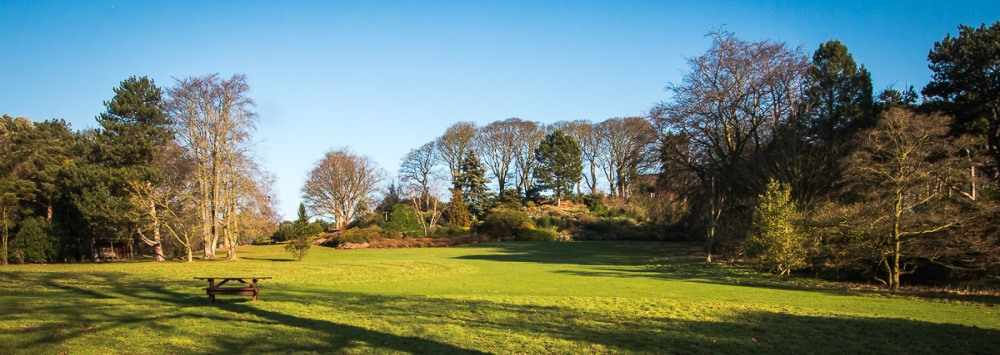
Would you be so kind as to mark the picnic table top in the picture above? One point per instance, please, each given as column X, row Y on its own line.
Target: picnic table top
column 234, row 278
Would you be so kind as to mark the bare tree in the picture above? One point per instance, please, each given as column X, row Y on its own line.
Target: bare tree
column 340, row 184
column 527, row 135
column 454, row 144
column 426, row 199
column 497, row 143
column 899, row 167
column 724, row 114
column 215, row 122
column 626, row 151
column 418, row 168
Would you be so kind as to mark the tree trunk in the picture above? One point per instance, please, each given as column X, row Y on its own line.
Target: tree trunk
column 157, row 246
column 3, row 253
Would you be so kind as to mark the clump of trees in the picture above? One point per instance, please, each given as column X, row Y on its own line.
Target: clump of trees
column 173, row 170
column 875, row 187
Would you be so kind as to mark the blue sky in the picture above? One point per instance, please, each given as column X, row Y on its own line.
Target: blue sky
column 386, row 77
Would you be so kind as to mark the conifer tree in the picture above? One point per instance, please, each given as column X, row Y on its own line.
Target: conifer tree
column 559, row 164
column 458, row 210
column 472, row 181
column 776, row 243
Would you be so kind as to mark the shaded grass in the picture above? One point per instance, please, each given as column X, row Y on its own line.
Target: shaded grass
column 498, row 298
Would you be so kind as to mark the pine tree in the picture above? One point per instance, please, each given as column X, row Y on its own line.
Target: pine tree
column 472, row 181
column 559, row 164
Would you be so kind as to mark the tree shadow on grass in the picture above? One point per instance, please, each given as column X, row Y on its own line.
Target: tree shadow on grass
column 675, row 261
column 177, row 304
column 298, row 319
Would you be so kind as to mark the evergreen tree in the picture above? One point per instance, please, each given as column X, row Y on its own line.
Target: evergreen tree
column 776, row 243
column 839, row 103
column 303, row 234
column 559, row 164
column 472, row 181
column 840, row 94
column 966, row 82
column 134, row 132
column 458, row 211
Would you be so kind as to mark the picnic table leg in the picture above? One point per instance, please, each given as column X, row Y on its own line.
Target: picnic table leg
column 254, row 299
column 211, row 296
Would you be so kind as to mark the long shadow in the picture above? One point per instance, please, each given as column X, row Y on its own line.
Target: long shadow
column 178, row 304
column 673, row 261
column 588, row 329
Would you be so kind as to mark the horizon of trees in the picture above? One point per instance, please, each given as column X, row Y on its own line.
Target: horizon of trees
column 862, row 185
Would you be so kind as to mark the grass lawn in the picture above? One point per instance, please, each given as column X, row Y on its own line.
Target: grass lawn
column 572, row 297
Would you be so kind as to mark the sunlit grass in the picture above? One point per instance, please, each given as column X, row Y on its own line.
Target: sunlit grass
column 500, row 297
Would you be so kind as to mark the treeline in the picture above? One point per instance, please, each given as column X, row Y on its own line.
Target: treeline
column 171, row 170
column 768, row 156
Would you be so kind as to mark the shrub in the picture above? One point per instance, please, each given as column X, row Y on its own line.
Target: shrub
column 33, row 242
column 545, row 221
column 359, row 235
column 504, row 223
column 403, row 219
column 537, row 235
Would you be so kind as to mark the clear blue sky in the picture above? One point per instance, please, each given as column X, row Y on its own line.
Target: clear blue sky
column 386, row 77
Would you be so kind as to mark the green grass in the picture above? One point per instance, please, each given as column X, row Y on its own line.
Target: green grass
column 577, row 297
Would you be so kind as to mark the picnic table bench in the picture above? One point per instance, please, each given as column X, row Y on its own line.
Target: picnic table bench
column 245, row 288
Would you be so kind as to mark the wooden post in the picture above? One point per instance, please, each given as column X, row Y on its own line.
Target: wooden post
column 211, row 296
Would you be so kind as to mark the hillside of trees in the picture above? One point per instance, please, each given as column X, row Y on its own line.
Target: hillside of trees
column 768, row 156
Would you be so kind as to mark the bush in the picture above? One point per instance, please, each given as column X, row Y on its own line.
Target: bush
column 545, row 221
column 403, row 219
column 359, row 235
column 33, row 242
column 504, row 223
column 536, row 235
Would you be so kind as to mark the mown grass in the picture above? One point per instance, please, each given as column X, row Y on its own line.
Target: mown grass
column 500, row 298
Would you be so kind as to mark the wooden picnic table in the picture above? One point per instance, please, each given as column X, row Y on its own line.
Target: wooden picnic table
column 245, row 288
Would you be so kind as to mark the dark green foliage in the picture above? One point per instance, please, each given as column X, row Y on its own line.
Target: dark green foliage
column 838, row 99
column 536, row 235
column 403, row 219
column 508, row 199
column 34, row 242
column 840, row 94
column 472, row 181
column 134, row 128
column 285, row 232
column 545, row 221
column 457, row 212
column 559, row 164
column 966, row 80
column 504, row 223
column 595, row 203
